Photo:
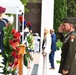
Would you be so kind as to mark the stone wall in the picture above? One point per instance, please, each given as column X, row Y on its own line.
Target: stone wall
column 34, row 16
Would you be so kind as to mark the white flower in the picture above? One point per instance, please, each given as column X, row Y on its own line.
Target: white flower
column 9, row 68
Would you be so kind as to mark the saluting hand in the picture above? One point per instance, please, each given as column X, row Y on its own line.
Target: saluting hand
column 61, row 28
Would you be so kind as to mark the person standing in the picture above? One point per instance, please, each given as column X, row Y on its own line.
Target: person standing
column 53, row 48
column 46, row 50
column 29, row 41
column 3, row 23
column 68, row 55
column 36, row 42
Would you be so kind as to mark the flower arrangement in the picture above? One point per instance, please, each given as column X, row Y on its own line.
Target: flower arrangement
column 12, row 48
column 30, row 41
column 29, row 48
column 30, row 45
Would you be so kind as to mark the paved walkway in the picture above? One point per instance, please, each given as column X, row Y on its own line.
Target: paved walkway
column 38, row 62
column 53, row 72
column 35, row 63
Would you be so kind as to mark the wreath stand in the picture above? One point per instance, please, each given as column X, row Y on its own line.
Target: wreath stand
column 20, row 60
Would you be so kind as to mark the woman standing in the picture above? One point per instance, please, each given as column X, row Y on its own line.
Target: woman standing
column 46, row 49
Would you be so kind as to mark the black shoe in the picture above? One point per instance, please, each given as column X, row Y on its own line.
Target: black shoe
column 51, row 68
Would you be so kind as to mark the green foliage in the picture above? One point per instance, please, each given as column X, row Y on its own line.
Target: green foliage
column 24, row 2
column 30, row 46
column 71, row 12
column 8, row 48
column 27, row 57
column 8, row 35
column 26, row 10
column 60, row 12
column 58, row 61
column 30, row 40
column 34, row 0
column 58, row 44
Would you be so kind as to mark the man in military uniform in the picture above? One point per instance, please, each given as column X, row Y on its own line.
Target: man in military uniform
column 68, row 55
column 3, row 23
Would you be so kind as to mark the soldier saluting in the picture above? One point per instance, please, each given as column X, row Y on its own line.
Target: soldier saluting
column 68, row 55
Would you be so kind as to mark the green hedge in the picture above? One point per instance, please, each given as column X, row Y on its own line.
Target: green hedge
column 58, row 44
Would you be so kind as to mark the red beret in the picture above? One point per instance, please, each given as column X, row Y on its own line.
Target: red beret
column 29, row 24
column 20, row 18
column 2, row 10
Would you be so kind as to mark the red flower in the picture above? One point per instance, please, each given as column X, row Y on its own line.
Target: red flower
column 11, row 42
column 18, row 49
column 17, row 35
column 16, row 62
column 14, row 54
column 13, row 31
column 18, row 56
column 17, row 40
column 14, row 45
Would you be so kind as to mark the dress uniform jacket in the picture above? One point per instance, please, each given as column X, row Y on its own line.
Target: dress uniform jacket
column 3, row 23
column 68, row 55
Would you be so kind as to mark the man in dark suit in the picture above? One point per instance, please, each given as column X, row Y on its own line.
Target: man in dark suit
column 53, row 48
column 68, row 55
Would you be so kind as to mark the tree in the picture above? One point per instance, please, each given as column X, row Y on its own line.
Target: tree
column 60, row 12
column 71, row 11
column 24, row 2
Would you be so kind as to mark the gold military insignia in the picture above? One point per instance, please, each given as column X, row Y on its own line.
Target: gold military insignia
column 72, row 38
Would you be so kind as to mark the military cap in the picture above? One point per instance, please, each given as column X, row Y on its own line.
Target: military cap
column 71, row 20
column 2, row 10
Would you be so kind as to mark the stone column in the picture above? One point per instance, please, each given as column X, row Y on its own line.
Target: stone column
column 47, row 15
